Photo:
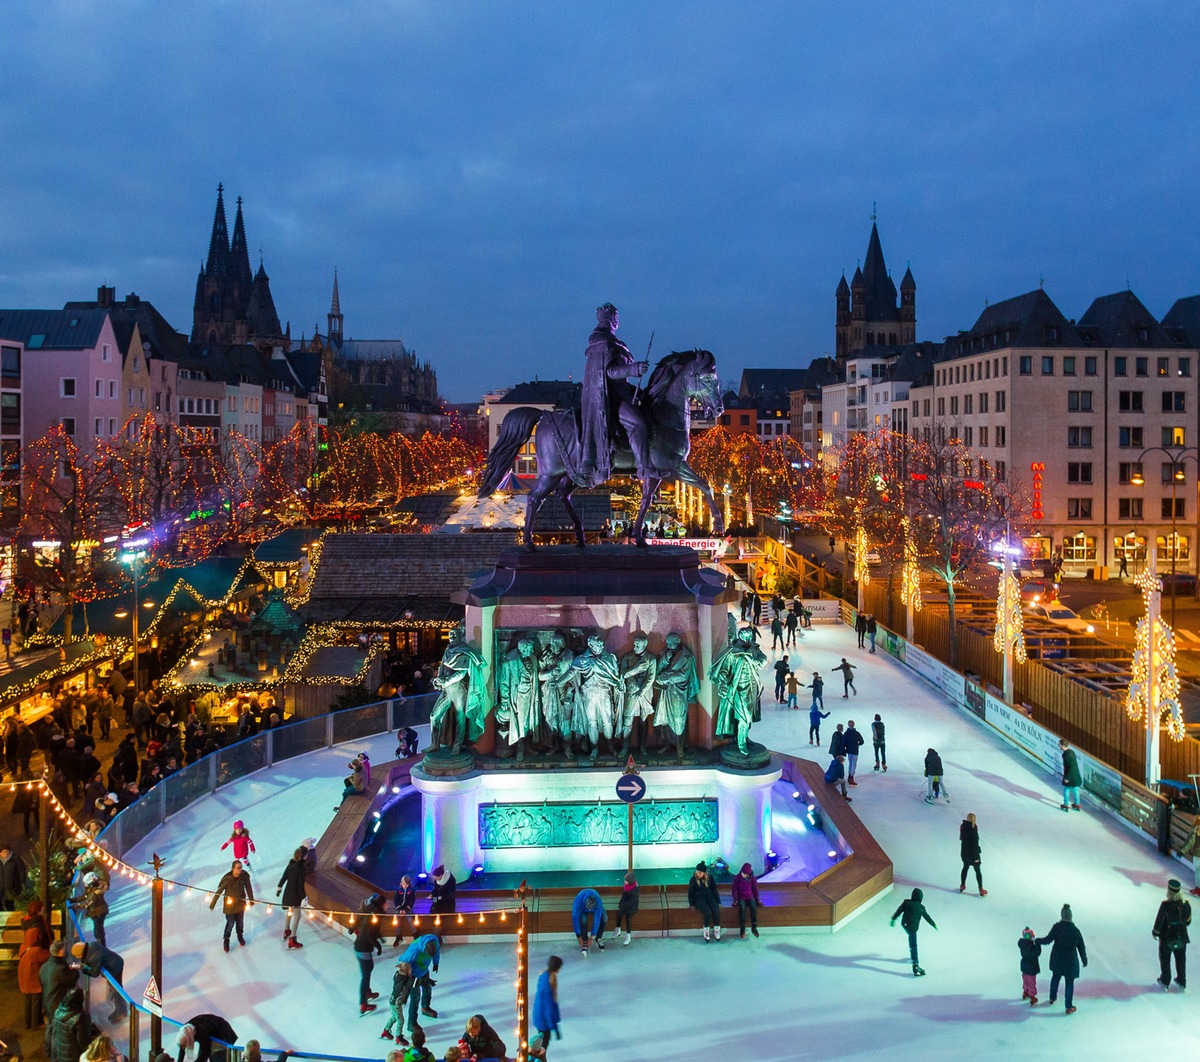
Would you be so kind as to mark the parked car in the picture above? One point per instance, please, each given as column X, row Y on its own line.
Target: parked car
column 1038, row 590
column 1058, row 613
column 1184, row 583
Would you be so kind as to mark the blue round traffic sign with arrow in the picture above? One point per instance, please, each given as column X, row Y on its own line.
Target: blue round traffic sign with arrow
column 631, row 788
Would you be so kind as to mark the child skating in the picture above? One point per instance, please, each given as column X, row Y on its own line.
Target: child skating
column 910, row 913
column 1030, row 967
column 242, row 844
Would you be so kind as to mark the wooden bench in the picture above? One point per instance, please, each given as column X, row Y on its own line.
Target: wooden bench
column 12, row 936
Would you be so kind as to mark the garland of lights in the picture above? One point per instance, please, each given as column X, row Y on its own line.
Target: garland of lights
column 910, row 574
column 1158, row 642
column 862, row 570
column 111, row 649
column 1010, row 624
column 82, row 839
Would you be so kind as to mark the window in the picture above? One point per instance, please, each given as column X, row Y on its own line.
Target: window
column 1026, row 365
column 106, row 353
column 181, row 405
column 941, row 407
column 1164, row 366
column 1173, row 437
column 1089, row 365
column 969, row 435
column 98, row 427
column 1068, row 366
column 1001, row 468
column 1079, row 437
column 1180, row 509
column 233, row 409
column 1079, row 549
column 137, row 364
column 130, row 402
column 157, row 401
column 743, row 419
column 1047, row 364
column 112, row 425
column 1129, row 508
column 1141, row 366
column 1173, row 470
column 983, row 435
column 1079, row 508
column 983, row 401
column 1173, row 401
column 10, row 456
column 1000, row 433
column 10, row 363
column 1126, row 470
column 1130, row 438
column 1129, row 401
column 1185, row 366
column 1121, row 366
column 1001, row 401
column 1079, row 401
column 1079, row 472
column 66, row 387
column 954, row 405
column 112, row 388
column 968, row 403
column 1004, row 365
column 68, row 425
column 10, row 413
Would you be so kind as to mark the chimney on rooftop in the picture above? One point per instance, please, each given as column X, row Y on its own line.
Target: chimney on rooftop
column 105, row 296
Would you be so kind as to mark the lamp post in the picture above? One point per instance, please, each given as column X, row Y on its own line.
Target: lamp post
column 1178, row 455
column 133, row 554
column 1009, row 632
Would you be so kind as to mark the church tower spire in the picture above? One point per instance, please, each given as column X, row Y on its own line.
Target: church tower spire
column 335, row 316
column 238, row 253
column 218, row 244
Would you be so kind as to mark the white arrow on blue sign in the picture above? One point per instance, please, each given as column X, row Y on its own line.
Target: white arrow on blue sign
column 630, row 788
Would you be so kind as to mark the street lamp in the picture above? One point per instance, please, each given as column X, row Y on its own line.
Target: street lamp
column 1177, row 455
column 133, row 554
column 1009, row 628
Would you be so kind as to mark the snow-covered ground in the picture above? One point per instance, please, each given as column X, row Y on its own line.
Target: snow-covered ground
column 789, row 994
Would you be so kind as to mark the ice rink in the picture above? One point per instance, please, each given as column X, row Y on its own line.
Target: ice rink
column 789, row 994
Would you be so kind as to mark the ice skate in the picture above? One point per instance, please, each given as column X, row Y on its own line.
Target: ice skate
column 294, row 943
column 917, row 971
column 1164, row 985
column 717, row 933
column 707, row 934
column 983, row 892
column 628, row 939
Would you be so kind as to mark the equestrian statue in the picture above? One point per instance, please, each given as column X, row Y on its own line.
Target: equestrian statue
column 619, row 429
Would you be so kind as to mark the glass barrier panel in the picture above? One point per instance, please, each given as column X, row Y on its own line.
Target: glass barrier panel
column 361, row 722
column 244, row 758
column 140, row 818
column 183, row 787
column 109, row 1010
column 412, row 711
column 296, row 739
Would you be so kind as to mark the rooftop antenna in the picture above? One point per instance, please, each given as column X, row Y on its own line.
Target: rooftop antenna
column 1041, row 281
column 874, row 212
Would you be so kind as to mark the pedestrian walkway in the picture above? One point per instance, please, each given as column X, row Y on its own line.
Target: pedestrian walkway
column 789, row 994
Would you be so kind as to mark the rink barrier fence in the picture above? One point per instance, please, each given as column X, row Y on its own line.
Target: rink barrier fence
column 109, row 1005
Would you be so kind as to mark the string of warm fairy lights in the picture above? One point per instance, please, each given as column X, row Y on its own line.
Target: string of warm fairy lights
column 1010, row 623
column 1154, row 689
column 106, row 649
column 330, row 915
column 910, row 573
column 862, row 570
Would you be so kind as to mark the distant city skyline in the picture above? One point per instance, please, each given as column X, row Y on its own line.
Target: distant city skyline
column 482, row 175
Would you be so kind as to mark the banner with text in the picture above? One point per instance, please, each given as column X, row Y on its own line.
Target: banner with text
column 944, row 677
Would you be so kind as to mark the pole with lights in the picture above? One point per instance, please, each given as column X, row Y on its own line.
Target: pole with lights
column 1154, row 684
column 520, row 892
column 1009, row 639
column 910, row 579
column 862, row 570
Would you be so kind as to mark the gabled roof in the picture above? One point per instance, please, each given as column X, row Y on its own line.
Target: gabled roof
column 914, row 363
column 1029, row 320
column 286, row 547
column 1183, row 319
column 563, row 394
column 1120, row 320
column 764, row 383
column 880, row 291
column 165, row 342
column 59, row 329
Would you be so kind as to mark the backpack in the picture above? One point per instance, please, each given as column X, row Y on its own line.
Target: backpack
column 1175, row 931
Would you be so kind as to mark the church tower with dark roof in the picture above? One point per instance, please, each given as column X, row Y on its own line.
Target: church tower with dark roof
column 868, row 311
column 335, row 317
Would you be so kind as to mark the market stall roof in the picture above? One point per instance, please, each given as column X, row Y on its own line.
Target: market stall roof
column 286, row 548
column 429, row 509
column 337, row 663
column 43, row 667
column 277, row 617
column 593, row 507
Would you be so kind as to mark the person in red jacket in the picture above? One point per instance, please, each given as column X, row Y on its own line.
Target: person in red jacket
column 242, row 845
column 745, row 897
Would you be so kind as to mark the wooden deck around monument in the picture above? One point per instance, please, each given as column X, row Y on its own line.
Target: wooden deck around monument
column 828, row 900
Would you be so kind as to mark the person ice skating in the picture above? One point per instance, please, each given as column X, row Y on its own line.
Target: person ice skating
column 910, row 913
column 860, row 628
column 1191, row 847
column 837, row 743
column 291, row 884
column 1066, row 955
column 756, row 608
column 239, row 894
column 94, row 903
column 782, row 667
column 404, row 900
column 199, row 1032
column 1171, row 931
column 588, row 919
column 934, row 783
column 818, row 687
column 776, row 633
column 442, row 898
column 835, row 774
column 703, row 895
column 872, row 630
column 815, row 715
column 746, row 898
column 242, row 844
column 1030, row 950
column 545, row 1016
column 847, row 669
column 969, row 852
column 413, row 984
column 627, row 905
column 878, row 741
column 852, row 741
column 791, row 622
column 368, row 942
column 1071, row 778
column 793, row 689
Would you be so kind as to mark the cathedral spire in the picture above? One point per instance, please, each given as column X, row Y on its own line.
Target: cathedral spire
column 335, row 316
column 238, row 254
column 218, row 244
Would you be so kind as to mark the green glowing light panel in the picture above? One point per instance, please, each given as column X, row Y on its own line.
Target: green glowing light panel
column 568, row 824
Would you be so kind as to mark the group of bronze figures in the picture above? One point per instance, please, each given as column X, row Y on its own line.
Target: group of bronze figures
column 590, row 703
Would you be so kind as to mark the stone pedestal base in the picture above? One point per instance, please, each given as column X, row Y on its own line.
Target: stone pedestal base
column 755, row 756
column 442, row 763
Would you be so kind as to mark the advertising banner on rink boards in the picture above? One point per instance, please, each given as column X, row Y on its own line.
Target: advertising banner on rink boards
column 944, row 677
column 1098, row 778
column 824, row 609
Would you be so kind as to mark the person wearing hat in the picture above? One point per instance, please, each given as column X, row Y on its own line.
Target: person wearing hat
column 242, row 844
column 703, row 895
column 628, row 905
column 239, row 894
column 309, row 844
column 1065, row 957
column 368, row 943
column 93, row 903
column 441, row 893
column 1171, row 932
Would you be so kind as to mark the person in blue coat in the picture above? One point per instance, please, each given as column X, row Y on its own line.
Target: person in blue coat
column 588, row 919
column 545, row 1002
column 423, row 956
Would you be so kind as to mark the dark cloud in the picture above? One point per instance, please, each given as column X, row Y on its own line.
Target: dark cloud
column 483, row 174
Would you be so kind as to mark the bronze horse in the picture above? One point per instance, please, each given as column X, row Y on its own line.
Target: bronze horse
column 678, row 380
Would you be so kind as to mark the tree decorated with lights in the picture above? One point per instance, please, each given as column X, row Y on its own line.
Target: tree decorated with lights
column 1154, row 689
column 910, row 576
